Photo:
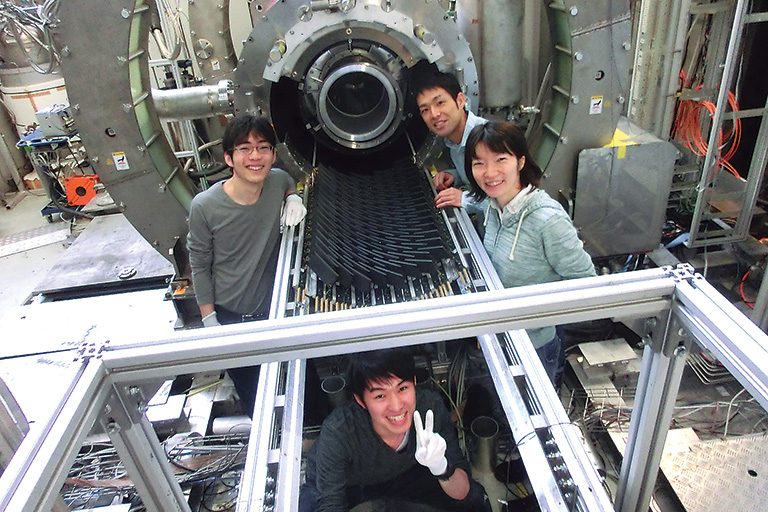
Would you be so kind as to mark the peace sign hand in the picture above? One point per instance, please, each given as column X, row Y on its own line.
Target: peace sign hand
column 430, row 446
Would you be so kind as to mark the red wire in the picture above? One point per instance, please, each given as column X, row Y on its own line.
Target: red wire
column 687, row 128
column 741, row 290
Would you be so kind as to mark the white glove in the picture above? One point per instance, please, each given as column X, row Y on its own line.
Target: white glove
column 466, row 199
column 293, row 211
column 211, row 320
column 430, row 446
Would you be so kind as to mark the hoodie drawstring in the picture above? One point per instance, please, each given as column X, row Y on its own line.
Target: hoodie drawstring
column 487, row 210
column 517, row 232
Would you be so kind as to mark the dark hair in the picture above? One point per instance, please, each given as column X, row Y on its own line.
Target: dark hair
column 433, row 79
column 241, row 127
column 500, row 137
column 367, row 367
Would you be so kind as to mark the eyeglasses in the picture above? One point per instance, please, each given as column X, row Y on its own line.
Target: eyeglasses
column 262, row 149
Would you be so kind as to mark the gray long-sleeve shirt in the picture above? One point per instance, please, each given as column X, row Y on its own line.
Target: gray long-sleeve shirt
column 233, row 247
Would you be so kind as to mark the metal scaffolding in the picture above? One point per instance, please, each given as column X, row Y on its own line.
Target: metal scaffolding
column 113, row 386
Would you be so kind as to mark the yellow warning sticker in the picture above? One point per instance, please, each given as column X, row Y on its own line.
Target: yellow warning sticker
column 121, row 161
column 595, row 105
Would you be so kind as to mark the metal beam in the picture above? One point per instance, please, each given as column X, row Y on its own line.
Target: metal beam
column 643, row 293
column 32, row 480
column 657, row 387
column 544, row 485
column 147, row 464
column 722, row 329
column 255, row 481
column 37, row 471
column 288, row 477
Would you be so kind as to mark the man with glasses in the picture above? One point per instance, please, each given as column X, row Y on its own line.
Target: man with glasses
column 234, row 233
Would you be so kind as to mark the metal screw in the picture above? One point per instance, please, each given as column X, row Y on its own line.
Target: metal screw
column 125, row 13
column 126, row 107
column 626, row 45
column 305, row 13
column 578, row 56
column 423, row 35
column 574, row 11
column 112, row 427
column 277, row 51
column 127, row 273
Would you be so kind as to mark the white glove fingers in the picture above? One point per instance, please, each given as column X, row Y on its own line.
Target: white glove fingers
column 430, row 422
column 293, row 211
column 419, row 429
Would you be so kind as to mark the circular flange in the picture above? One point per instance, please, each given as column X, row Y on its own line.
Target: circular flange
column 357, row 103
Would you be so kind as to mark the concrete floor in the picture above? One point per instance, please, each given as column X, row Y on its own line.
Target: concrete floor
column 29, row 246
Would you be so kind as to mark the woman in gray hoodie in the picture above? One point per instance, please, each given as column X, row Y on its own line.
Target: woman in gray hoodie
column 529, row 237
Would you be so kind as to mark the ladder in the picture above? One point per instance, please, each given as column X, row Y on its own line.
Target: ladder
column 720, row 195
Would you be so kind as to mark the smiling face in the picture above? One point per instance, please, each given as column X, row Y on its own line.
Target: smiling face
column 391, row 403
column 443, row 115
column 497, row 174
column 251, row 160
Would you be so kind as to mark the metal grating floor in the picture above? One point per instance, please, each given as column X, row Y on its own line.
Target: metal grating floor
column 33, row 238
column 713, row 476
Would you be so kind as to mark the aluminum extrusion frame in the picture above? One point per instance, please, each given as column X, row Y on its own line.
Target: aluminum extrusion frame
column 38, row 469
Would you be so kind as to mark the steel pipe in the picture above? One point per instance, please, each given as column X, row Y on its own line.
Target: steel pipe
column 194, row 102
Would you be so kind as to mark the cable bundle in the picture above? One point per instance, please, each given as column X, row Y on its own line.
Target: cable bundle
column 36, row 23
column 687, row 127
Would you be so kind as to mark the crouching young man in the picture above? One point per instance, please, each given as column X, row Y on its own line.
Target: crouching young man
column 392, row 441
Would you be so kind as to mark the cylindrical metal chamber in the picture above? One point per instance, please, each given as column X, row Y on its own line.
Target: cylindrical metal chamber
column 194, row 102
